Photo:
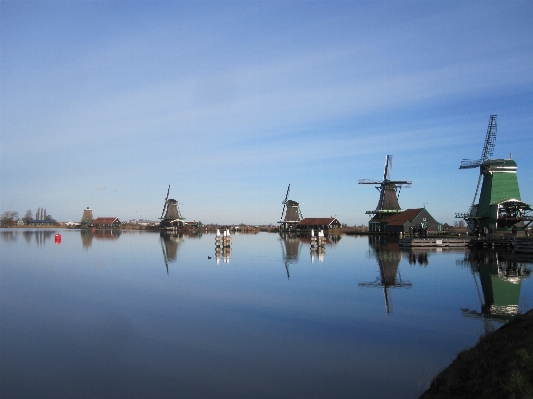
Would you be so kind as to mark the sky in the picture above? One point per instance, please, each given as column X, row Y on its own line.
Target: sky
column 104, row 104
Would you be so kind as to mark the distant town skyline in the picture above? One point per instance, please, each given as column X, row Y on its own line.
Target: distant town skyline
column 104, row 104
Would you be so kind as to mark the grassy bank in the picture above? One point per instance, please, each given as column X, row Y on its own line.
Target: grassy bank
column 500, row 365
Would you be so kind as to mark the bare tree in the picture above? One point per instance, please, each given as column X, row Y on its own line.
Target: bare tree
column 27, row 216
column 9, row 218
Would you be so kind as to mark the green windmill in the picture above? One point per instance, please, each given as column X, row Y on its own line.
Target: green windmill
column 499, row 205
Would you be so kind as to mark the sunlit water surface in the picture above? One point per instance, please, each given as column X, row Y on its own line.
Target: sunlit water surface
column 135, row 315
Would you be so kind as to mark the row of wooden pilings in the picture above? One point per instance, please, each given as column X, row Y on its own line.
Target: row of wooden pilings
column 223, row 246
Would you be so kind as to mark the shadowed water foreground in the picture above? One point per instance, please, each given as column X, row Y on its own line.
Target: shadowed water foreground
column 129, row 314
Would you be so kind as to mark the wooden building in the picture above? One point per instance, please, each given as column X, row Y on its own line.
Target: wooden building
column 319, row 223
column 400, row 222
column 106, row 223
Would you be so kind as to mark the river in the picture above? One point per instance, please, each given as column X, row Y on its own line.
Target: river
column 130, row 314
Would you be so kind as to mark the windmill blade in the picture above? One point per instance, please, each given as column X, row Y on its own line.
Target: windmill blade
column 285, row 201
column 406, row 183
column 388, row 168
column 165, row 205
column 488, row 147
column 287, row 195
column 490, row 139
column 369, row 181
column 470, row 163
column 477, row 190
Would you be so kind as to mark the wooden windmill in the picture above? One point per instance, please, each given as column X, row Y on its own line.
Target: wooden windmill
column 171, row 216
column 291, row 214
column 499, row 205
column 389, row 191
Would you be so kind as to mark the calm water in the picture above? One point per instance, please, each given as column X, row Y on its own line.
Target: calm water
column 135, row 315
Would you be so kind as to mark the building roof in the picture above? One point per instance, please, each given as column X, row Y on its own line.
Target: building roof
column 406, row 216
column 317, row 221
column 109, row 220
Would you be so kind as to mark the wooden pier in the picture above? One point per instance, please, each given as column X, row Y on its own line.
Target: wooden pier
column 441, row 242
column 500, row 242
column 523, row 247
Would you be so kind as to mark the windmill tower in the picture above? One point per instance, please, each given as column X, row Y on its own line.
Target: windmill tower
column 87, row 217
column 291, row 214
column 389, row 191
column 171, row 216
column 499, row 205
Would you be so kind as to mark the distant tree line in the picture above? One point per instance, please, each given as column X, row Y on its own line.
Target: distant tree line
column 39, row 215
column 10, row 218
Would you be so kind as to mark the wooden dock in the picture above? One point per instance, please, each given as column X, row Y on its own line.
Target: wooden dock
column 501, row 242
column 441, row 242
column 523, row 247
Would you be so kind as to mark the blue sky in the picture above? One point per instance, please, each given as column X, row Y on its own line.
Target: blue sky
column 106, row 103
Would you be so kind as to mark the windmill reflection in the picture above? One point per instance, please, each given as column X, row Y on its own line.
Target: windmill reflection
column 500, row 280
column 87, row 236
column 170, row 244
column 291, row 243
column 388, row 256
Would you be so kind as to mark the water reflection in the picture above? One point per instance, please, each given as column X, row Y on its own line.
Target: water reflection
column 87, row 236
column 387, row 253
column 223, row 254
column 170, row 244
column 291, row 243
column 39, row 237
column 500, row 277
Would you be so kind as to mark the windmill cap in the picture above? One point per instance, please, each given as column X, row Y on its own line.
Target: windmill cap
column 500, row 162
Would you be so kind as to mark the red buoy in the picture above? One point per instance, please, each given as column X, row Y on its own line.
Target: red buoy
column 58, row 238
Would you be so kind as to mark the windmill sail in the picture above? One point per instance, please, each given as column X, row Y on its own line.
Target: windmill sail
column 388, row 189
